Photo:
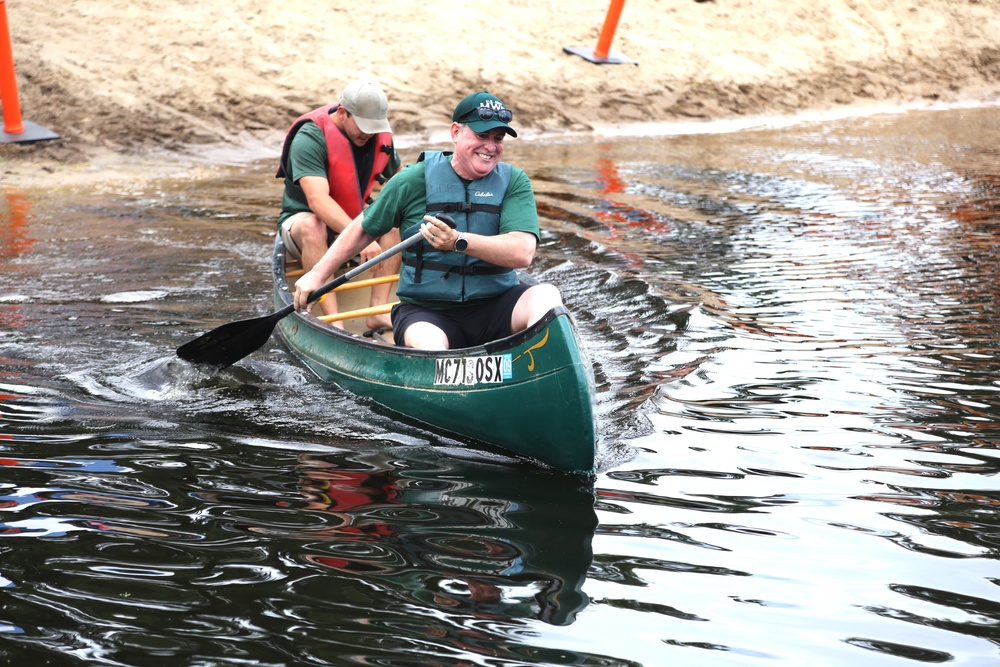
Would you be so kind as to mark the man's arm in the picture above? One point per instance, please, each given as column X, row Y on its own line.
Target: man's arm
column 317, row 191
column 513, row 250
column 348, row 244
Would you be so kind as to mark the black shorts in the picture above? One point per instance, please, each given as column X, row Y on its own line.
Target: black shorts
column 465, row 326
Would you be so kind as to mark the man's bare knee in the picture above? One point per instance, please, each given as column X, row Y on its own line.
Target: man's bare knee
column 425, row 336
column 533, row 304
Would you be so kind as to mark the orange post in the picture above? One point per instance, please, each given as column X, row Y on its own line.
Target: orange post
column 608, row 31
column 12, row 122
column 602, row 53
column 14, row 127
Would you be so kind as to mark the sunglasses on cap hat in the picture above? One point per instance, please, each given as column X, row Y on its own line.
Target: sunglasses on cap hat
column 488, row 113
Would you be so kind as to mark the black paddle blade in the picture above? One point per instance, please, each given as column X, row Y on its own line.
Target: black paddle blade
column 226, row 345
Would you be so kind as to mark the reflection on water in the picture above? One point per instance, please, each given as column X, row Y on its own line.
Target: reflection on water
column 796, row 340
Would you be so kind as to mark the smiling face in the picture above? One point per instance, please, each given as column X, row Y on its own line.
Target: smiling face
column 476, row 153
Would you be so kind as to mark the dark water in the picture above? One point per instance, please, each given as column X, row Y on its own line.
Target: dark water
column 796, row 339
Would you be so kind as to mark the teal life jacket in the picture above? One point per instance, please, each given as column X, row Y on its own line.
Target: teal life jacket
column 432, row 275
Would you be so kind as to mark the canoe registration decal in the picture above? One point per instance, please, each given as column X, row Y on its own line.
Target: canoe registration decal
column 493, row 369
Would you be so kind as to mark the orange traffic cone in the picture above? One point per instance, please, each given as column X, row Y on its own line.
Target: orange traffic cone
column 602, row 53
column 15, row 129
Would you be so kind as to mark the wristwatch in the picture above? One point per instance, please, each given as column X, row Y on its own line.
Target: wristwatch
column 461, row 243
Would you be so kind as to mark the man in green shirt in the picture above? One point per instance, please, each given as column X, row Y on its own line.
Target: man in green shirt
column 331, row 159
column 458, row 287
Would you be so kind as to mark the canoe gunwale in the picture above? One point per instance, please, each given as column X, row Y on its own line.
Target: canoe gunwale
column 492, row 347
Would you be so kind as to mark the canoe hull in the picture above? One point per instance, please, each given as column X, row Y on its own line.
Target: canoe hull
column 531, row 394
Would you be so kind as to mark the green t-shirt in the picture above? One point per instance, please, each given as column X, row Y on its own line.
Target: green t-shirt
column 403, row 203
column 307, row 157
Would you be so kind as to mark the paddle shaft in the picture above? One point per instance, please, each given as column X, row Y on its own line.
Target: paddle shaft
column 229, row 343
column 353, row 273
column 358, row 270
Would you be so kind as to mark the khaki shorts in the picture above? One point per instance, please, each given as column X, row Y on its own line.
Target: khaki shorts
column 292, row 251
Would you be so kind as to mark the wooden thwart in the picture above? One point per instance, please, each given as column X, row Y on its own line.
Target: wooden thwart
column 367, row 282
column 360, row 312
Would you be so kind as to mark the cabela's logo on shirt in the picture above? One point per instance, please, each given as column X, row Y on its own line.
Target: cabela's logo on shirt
column 480, row 193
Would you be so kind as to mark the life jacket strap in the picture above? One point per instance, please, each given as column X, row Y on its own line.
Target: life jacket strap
column 462, row 207
column 458, row 269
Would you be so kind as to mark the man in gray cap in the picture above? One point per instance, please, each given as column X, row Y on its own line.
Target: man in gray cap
column 458, row 288
column 331, row 159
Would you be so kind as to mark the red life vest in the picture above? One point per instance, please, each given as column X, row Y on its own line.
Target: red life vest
column 340, row 169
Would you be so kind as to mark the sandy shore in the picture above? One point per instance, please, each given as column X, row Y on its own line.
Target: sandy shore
column 127, row 83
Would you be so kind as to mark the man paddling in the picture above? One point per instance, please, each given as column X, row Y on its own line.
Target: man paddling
column 458, row 288
column 331, row 159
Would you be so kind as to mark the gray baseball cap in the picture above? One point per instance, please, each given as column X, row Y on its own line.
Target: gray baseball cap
column 366, row 101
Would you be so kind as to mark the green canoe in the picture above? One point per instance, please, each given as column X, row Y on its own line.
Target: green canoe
column 531, row 394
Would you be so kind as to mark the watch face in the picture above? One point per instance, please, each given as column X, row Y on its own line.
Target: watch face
column 461, row 244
